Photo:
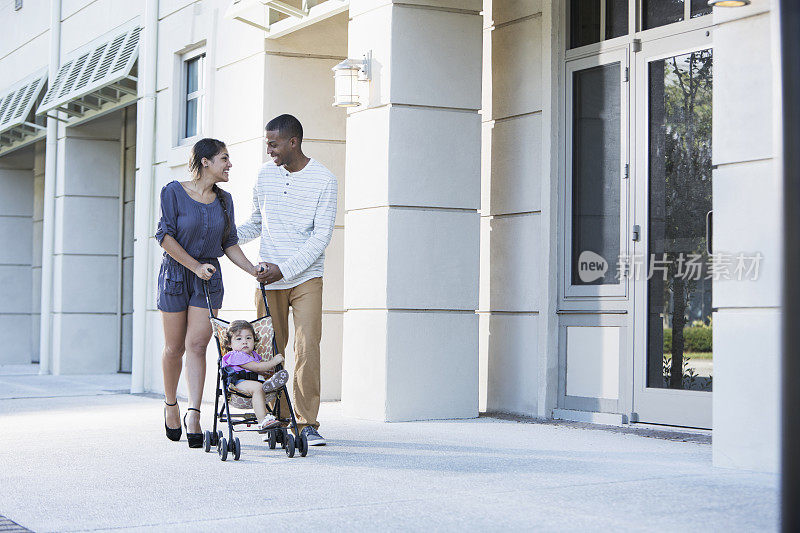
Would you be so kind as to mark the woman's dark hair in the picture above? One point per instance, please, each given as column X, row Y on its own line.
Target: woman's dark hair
column 237, row 326
column 208, row 148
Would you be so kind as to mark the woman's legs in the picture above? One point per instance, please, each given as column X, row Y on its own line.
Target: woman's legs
column 259, row 401
column 198, row 334
column 172, row 361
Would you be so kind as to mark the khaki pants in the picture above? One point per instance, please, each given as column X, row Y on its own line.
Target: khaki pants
column 306, row 303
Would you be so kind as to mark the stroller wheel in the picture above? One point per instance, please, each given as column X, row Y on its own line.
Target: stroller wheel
column 289, row 444
column 272, row 439
column 222, row 449
column 207, row 441
column 220, row 434
column 302, row 445
column 281, row 436
column 237, row 449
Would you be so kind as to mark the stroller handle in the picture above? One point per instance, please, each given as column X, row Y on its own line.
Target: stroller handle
column 207, row 294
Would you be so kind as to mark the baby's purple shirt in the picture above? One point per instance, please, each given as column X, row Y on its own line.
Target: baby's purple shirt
column 235, row 358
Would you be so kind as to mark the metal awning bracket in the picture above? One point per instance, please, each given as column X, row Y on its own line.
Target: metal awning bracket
column 84, row 103
column 69, row 112
column 122, row 88
column 56, row 118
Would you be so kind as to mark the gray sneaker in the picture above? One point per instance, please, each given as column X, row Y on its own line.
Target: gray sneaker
column 312, row 436
column 275, row 382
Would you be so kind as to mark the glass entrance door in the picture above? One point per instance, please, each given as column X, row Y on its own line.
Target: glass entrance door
column 673, row 355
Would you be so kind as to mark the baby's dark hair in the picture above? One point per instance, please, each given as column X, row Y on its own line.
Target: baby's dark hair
column 237, row 326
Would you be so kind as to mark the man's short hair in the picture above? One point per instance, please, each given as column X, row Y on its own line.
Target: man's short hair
column 287, row 126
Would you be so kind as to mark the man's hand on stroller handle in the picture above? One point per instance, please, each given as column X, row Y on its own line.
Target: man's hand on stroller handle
column 270, row 273
column 205, row 271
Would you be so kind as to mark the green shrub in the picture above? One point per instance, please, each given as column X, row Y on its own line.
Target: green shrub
column 698, row 339
column 695, row 339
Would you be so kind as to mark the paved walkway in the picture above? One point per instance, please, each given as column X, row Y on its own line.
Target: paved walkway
column 78, row 454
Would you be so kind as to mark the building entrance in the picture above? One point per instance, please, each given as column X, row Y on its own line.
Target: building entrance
column 670, row 268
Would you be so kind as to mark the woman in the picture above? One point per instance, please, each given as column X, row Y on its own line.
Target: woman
column 196, row 227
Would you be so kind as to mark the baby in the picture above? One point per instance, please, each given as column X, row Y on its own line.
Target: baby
column 244, row 365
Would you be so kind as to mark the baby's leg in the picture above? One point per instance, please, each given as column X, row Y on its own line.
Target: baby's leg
column 259, row 403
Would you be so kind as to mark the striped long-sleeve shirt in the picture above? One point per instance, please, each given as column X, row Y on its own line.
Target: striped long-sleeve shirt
column 293, row 213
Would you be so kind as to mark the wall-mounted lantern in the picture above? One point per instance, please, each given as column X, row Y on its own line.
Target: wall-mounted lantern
column 728, row 3
column 346, row 77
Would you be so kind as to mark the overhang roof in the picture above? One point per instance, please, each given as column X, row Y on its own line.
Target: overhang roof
column 257, row 13
column 96, row 78
column 17, row 128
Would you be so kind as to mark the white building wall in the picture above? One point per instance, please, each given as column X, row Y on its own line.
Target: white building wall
column 23, row 50
column 747, row 218
column 513, row 247
column 26, row 39
column 251, row 80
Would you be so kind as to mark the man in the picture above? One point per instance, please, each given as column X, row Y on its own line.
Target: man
column 294, row 207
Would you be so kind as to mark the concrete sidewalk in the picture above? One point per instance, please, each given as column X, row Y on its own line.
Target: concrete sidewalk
column 76, row 454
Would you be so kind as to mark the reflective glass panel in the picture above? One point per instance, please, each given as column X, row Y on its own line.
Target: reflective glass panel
column 616, row 18
column 596, row 171
column 584, row 22
column 679, row 351
column 191, row 117
column 192, row 75
column 660, row 12
column 700, row 8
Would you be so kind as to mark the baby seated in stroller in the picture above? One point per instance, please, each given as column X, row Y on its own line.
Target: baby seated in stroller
column 242, row 366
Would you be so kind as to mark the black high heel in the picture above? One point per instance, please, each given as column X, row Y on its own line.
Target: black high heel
column 173, row 434
column 195, row 439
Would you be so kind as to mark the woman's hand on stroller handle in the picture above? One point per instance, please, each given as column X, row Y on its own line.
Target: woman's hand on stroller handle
column 204, row 271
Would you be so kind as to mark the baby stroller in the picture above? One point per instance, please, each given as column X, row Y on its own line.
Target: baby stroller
column 267, row 347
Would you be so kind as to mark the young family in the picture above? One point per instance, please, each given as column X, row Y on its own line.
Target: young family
column 294, row 207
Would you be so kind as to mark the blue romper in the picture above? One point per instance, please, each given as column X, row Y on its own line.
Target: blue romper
column 199, row 228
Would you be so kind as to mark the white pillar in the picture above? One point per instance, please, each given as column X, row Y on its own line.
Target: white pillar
column 86, row 247
column 143, row 211
column 747, row 219
column 48, row 212
column 36, row 262
column 16, row 223
column 413, row 192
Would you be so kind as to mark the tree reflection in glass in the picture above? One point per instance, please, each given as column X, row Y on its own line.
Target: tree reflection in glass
column 679, row 299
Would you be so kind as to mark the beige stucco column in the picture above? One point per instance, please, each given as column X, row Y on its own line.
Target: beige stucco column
column 85, row 251
column 410, row 341
column 747, row 219
column 17, row 256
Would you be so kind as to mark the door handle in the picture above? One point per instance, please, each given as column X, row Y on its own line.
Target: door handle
column 709, row 229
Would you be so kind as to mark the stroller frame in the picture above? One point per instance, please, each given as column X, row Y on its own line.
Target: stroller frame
column 288, row 440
